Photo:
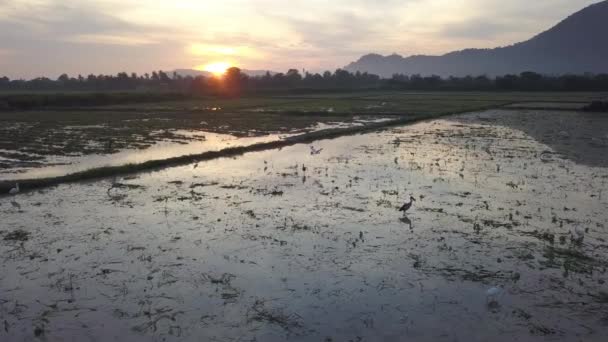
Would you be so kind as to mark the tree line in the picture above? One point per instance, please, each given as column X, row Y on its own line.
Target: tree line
column 235, row 82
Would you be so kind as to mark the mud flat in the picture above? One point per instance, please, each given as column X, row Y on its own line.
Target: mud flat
column 307, row 244
column 552, row 106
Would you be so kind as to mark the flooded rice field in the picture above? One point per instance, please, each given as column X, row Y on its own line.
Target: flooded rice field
column 506, row 240
column 198, row 142
column 571, row 106
column 51, row 144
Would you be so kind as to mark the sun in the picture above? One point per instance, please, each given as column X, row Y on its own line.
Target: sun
column 217, row 68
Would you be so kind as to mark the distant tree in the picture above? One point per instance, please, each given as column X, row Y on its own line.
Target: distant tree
column 199, row 85
column 233, row 82
column 293, row 76
column 507, row 82
column 63, row 78
column 163, row 76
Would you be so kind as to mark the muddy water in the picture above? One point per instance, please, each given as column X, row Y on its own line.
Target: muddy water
column 192, row 142
column 286, row 244
column 200, row 142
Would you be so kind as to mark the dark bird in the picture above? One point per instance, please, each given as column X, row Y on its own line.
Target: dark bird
column 408, row 205
column 314, row 151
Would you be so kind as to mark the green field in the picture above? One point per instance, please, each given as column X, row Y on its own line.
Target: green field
column 369, row 102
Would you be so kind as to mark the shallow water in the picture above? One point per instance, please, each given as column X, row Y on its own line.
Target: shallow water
column 346, row 124
column 285, row 244
column 200, row 142
column 192, row 142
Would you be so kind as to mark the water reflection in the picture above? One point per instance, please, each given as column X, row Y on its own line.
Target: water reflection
column 406, row 220
column 206, row 142
column 241, row 249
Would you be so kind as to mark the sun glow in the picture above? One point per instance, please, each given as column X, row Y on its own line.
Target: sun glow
column 206, row 50
column 217, row 68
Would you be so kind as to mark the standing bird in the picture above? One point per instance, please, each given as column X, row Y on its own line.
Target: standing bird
column 14, row 190
column 578, row 234
column 407, row 206
column 314, row 151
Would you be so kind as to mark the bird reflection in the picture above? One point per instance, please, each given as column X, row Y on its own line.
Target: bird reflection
column 16, row 204
column 407, row 221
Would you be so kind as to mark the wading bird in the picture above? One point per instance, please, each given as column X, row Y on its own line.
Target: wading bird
column 314, row 151
column 14, row 190
column 578, row 234
column 408, row 205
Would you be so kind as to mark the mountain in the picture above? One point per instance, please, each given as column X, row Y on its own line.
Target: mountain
column 194, row 73
column 576, row 45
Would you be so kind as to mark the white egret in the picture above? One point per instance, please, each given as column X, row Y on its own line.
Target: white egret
column 14, row 190
column 578, row 233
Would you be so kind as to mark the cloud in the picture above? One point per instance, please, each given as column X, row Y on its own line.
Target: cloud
column 223, row 51
column 80, row 36
column 106, row 39
column 481, row 29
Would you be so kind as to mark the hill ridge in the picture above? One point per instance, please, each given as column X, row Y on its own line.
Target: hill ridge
column 575, row 45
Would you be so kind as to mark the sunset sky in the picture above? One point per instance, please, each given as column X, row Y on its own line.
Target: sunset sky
column 49, row 37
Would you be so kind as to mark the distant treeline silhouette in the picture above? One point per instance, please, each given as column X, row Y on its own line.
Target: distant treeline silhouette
column 234, row 82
